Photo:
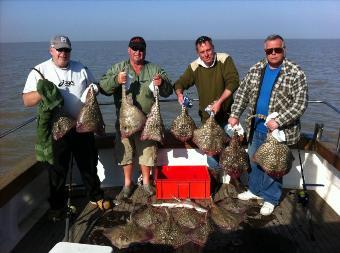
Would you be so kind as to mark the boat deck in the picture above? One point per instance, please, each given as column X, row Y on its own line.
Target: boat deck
column 288, row 229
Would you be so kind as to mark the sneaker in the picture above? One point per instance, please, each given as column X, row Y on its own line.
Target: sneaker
column 149, row 189
column 126, row 192
column 267, row 209
column 102, row 204
column 247, row 195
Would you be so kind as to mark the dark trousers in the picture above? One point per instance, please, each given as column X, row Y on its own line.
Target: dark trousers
column 85, row 154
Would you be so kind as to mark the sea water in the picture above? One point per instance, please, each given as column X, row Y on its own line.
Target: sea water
column 318, row 58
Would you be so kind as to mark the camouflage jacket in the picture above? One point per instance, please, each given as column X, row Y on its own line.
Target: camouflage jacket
column 289, row 97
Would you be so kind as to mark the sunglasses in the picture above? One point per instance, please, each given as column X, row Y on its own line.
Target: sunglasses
column 66, row 50
column 277, row 50
column 137, row 49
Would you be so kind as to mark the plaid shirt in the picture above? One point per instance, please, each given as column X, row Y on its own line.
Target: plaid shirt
column 289, row 97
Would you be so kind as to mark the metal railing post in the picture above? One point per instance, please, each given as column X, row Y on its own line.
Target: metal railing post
column 318, row 130
column 338, row 143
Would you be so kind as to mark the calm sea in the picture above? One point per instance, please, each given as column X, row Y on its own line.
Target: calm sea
column 320, row 59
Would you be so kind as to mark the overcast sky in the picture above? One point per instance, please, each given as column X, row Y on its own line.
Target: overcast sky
column 90, row 20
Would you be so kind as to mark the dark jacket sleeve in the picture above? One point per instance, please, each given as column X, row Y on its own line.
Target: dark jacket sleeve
column 186, row 80
column 165, row 90
column 230, row 75
column 109, row 81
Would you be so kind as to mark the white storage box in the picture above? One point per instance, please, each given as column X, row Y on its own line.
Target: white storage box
column 68, row 247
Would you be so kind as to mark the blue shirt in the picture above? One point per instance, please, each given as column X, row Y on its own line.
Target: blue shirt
column 262, row 105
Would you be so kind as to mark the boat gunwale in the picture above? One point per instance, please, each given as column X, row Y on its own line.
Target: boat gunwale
column 27, row 170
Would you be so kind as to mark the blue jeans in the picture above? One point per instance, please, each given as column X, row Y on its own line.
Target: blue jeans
column 260, row 183
column 213, row 162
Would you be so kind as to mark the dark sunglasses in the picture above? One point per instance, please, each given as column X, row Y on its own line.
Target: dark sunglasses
column 137, row 49
column 66, row 50
column 277, row 50
column 202, row 39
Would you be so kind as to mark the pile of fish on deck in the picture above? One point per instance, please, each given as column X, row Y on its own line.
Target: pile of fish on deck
column 177, row 222
column 173, row 223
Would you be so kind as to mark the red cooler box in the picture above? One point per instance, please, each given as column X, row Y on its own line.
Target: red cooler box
column 183, row 182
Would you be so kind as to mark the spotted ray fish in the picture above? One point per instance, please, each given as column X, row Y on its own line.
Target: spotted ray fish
column 182, row 128
column 90, row 118
column 154, row 127
column 234, row 159
column 210, row 137
column 274, row 157
column 170, row 233
column 122, row 236
column 148, row 216
column 131, row 119
column 62, row 123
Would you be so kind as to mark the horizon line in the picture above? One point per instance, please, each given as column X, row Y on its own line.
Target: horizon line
column 124, row 40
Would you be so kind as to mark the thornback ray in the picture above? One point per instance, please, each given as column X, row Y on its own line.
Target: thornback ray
column 131, row 119
column 154, row 127
column 234, row 159
column 62, row 124
column 274, row 157
column 182, row 128
column 90, row 118
column 210, row 137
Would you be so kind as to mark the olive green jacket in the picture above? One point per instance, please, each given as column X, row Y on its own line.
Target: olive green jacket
column 142, row 95
column 211, row 83
column 51, row 101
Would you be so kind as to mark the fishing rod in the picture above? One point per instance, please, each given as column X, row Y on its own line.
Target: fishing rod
column 17, row 127
column 70, row 208
column 303, row 198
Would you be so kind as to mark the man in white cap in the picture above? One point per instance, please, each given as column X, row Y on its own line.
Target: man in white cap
column 70, row 79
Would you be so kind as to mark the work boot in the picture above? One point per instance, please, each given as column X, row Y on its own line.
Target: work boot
column 149, row 189
column 126, row 192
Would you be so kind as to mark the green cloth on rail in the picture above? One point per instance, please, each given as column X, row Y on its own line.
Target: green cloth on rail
column 51, row 101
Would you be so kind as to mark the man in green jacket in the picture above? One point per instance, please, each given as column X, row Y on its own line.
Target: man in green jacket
column 140, row 74
column 216, row 79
